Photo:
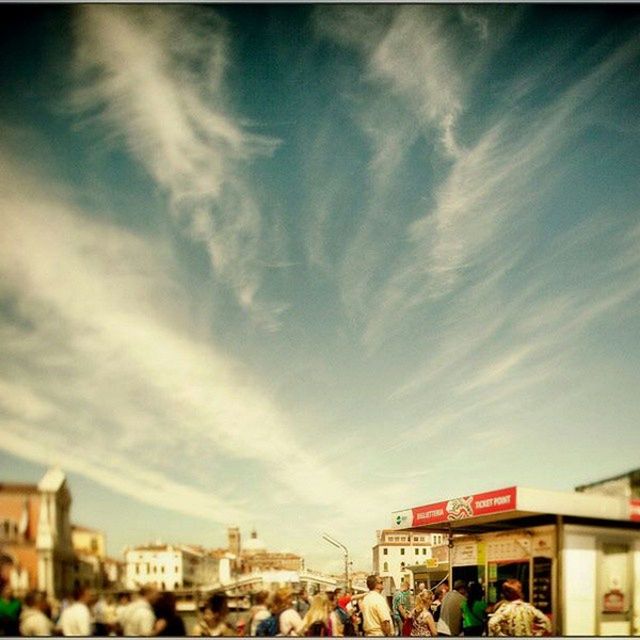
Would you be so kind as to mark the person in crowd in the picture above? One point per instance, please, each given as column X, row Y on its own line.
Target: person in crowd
column 10, row 608
column 75, row 619
column 516, row 617
column 376, row 616
column 168, row 622
column 213, row 621
column 474, row 611
column 33, row 618
column 100, row 613
column 258, row 612
column 302, row 602
column 138, row 618
column 439, row 594
column 290, row 622
column 124, row 600
column 450, row 621
column 401, row 609
column 316, row 621
column 340, row 618
column 423, row 623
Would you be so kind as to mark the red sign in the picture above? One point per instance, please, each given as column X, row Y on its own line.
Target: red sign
column 634, row 510
column 467, row 507
column 613, row 602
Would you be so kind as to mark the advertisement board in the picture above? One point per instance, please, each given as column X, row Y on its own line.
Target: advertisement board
column 459, row 508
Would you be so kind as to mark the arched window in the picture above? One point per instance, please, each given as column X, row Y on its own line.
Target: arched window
column 385, row 567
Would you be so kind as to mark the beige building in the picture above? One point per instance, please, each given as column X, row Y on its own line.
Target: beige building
column 396, row 551
column 169, row 567
column 254, row 557
column 88, row 541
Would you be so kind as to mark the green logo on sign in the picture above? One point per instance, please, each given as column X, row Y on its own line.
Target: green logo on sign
column 398, row 519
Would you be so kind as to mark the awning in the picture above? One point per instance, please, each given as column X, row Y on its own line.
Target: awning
column 514, row 507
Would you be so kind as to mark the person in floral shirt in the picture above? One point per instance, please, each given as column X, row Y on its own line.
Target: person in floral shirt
column 516, row 617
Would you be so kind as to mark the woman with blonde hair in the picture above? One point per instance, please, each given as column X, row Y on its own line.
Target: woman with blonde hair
column 289, row 620
column 423, row 623
column 316, row 621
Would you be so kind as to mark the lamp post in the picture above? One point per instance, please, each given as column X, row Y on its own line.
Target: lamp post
column 335, row 543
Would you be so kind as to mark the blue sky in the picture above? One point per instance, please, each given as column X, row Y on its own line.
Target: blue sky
column 299, row 267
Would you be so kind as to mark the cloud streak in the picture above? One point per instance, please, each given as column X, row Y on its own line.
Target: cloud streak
column 106, row 363
column 156, row 80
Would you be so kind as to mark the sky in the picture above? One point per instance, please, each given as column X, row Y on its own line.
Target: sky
column 298, row 267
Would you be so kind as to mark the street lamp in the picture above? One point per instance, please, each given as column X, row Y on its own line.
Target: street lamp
column 335, row 543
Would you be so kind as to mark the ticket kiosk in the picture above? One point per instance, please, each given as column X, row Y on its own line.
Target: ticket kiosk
column 577, row 555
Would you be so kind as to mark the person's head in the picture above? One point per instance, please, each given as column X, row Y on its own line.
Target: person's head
column 375, row 583
column 215, row 608
column 460, row 586
column 6, row 590
column 426, row 596
column 319, row 608
column 512, row 590
column 33, row 599
column 83, row 594
column 149, row 593
column 405, row 585
column 331, row 598
column 165, row 605
column 421, row 587
column 282, row 599
column 262, row 597
column 338, row 592
column 124, row 598
column 474, row 593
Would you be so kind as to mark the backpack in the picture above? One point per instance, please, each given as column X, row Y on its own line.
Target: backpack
column 349, row 630
column 269, row 627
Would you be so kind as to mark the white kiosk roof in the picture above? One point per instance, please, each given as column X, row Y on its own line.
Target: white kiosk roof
column 515, row 503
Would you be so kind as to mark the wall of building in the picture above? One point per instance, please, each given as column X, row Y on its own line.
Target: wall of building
column 88, row 542
column 579, row 584
column 397, row 550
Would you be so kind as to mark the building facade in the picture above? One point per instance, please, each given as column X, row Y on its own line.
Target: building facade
column 169, row 567
column 36, row 550
column 396, row 551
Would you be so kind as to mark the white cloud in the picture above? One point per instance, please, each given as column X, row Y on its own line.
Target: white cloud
column 155, row 77
column 101, row 369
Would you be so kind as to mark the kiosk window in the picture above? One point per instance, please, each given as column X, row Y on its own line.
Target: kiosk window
column 501, row 571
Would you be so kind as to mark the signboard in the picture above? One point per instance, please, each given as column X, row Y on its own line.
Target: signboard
column 481, row 504
column 634, row 510
column 613, row 602
column 465, row 554
column 431, row 563
column 402, row 519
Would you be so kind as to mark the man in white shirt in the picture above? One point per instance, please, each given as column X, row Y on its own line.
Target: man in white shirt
column 376, row 616
column 75, row 620
column 138, row 619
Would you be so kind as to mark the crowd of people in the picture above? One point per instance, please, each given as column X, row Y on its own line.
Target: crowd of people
column 442, row 612
column 446, row 613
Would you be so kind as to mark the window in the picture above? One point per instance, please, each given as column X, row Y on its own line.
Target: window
column 417, row 552
column 402, row 551
column 385, row 567
column 424, row 552
column 137, row 568
column 385, row 552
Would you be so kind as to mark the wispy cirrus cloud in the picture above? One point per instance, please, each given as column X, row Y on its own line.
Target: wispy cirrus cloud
column 155, row 78
column 100, row 356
